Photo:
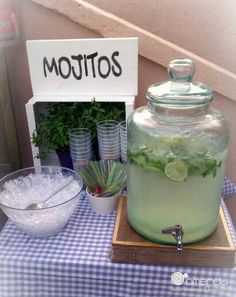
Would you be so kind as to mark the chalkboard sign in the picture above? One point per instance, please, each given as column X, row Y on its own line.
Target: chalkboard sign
column 84, row 66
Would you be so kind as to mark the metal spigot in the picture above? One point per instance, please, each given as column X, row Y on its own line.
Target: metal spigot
column 178, row 233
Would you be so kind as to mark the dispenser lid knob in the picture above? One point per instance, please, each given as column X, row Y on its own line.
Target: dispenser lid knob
column 181, row 69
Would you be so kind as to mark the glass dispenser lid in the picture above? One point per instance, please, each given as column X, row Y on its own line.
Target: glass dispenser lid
column 180, row 90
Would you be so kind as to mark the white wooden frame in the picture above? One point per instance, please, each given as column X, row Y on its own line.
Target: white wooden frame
column 129, row 107
column 131, row 90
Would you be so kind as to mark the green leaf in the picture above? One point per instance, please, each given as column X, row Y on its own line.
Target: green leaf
column 109, row 176
column 52, row 127
column 196, row 163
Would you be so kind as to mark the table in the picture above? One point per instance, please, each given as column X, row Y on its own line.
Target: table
column 76, row 263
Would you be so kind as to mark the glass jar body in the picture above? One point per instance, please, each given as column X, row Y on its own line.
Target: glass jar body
column 176, row 161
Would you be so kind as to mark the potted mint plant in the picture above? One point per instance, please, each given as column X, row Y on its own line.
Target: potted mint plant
column 104, row 181
column 53, row 126
column 51, row 132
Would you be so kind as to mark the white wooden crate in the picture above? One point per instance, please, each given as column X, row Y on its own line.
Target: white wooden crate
column 77, row 70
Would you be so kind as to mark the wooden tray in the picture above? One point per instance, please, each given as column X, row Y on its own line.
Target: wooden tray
column 127, row 246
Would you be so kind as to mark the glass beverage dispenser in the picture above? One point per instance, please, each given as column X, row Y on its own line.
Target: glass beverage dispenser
column 177, row 149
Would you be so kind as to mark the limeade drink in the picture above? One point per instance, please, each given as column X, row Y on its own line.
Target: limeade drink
column 189, row 194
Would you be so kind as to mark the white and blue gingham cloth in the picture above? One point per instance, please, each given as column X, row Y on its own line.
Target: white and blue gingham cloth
column 76, row 263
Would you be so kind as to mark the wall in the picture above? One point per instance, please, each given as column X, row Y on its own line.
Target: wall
column 36, row 22
column 179, row 25
column 206, row 28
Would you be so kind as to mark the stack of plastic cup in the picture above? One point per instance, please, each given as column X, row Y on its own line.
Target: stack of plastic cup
column 80, row 146
column 123, row 141
column 108, row 133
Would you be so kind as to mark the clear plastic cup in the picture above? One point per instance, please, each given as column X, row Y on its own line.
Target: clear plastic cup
column 80, row 133
column 110, row 157
column 77, row 164
column 109, row 144
column 108, row 125
column 80, row 145
column 108, row 151
column 123, row 125
column 79, row 141
column 77, row 157
column 108, row 135
column 82, row 152
column 123, row 141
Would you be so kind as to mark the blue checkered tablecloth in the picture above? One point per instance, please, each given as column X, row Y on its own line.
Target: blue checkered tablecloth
column 76, row 263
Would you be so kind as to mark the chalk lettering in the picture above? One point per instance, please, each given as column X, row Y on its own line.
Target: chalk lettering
column 80, row 66
column 51, row 67
column 107, row 62
column 85, row 66
column 116, row 53
column 92, row 56
column 78, row 58
column 67, row 62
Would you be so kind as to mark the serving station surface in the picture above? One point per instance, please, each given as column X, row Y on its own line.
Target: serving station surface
column 76, row 262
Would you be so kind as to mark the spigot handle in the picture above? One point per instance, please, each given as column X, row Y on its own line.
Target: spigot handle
column 178, row 233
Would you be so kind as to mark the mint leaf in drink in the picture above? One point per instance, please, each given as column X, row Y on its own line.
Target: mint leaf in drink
column 197, row 164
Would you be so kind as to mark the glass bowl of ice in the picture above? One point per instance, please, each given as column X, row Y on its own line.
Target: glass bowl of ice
column 21, row 189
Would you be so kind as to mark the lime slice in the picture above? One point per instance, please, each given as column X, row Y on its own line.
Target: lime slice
column 176, row 170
